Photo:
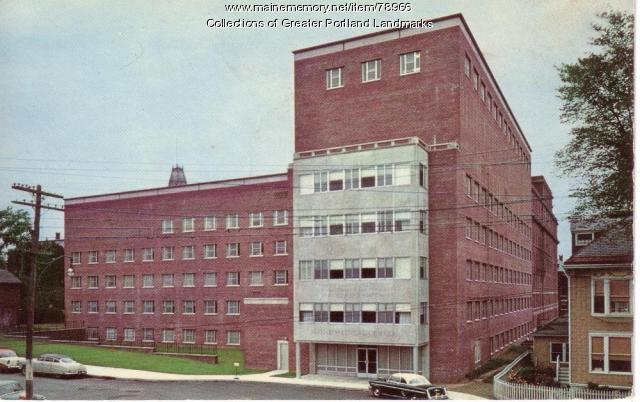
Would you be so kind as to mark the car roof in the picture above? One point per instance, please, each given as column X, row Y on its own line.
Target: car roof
column 57, row 356
column 410, row 376
column 6, row 350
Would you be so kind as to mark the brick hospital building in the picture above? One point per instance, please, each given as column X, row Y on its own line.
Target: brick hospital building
column 401, row 238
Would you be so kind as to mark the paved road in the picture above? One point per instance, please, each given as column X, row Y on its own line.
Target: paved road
column 94, row 388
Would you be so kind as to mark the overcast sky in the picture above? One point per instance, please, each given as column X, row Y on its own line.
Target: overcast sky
column 104, row 96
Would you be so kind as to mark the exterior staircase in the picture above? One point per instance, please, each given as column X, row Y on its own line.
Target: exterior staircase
column 563, row 373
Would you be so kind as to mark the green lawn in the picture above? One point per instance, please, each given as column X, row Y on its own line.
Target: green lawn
column 98, row 356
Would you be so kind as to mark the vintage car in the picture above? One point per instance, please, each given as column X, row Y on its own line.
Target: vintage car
column 13, row 390
column 9, row 360
column 56, row 365
column 407, row 386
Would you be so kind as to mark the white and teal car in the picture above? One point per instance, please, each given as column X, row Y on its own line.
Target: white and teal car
column 56, row 365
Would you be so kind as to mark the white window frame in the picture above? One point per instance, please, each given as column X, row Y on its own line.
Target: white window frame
column 233, row 283
column 76, row 307
column 192, row 304
column 607, row 296
column 280, row 217
column 276, row 281
column 415, row 61
column 330, row 76
column 167, row 226
column 144, row 307
column 93, row 257
column 185, row 253
column 256, row 219
column 191, row 332
column 75, row 285
column 128, row 255
column 233, row 221
column 164, row 285
column 371, row 66
column 165, row 337
column 229, row 309
column 92, row 303
column 214, row 275
column 565, row 352
column 281, row 242
column 107, row 282
column 144, row 278
column 229, row 247
column 583, row 242
column 167, row 253
column 110, row 334
column 145, row 333
column 129, row 331
column 126, row 304
column 124, row 281
column 210, row 223
column 215, row 337
column 606, row 336
column 229, row 336
column 256, row 249
column 110, row 256
column 259, row 275
column 188, row 275
column 96, row 285
column 76, row 258
column 209, row 247
column 146, row 253
column 208, row 303
column 188, row 225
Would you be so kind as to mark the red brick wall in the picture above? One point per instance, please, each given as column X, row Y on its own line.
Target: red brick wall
column 9, row 304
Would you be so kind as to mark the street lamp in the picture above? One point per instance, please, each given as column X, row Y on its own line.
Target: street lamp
column 70, row 272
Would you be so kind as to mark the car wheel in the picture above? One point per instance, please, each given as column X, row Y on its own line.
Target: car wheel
column 376, row 392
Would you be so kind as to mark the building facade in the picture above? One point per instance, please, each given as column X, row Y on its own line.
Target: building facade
column 11, row 300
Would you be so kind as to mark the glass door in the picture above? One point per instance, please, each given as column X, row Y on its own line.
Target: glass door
column 367, row 362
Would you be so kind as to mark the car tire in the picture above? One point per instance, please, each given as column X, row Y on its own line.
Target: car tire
column 375, row 391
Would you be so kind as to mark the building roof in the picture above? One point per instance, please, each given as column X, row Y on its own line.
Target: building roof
column 613, row 246
column 8, row 277
column 557, row 327
column 593, row 225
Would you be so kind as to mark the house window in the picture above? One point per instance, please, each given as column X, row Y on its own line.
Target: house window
column 611, row 296
column 371, row 70
column 76, row 258
column 209, row 223
column 167, row 226
column 255, row 219
column 128, row 255
column 352, row 268
column 148, row 307
column 233, row 278
column 474, row 79
column 128, row 306
column 110, row 334
column 92, row 333
column 210, row 279
column 147, row 254
column 92, row 306
column 306, row 269
column 76, row 306
column 336, row 313
column 188, row 224
column 477, row 352
column 281, row 277
column 210, row 251
column 110, row 307
column 110, row 256
column 336, row 225
column 321, row 269
column 233, row 250
column 256, row 278
column 233, row 307
column 168, row 336
column 306, row 226
column 109, row 281
column 352, row 179
column 368, row 177
column 385, row 221
column 129, row 334
column 368, row 223
column 233, row 337
column 582, row 239
column 147, row 335
column 210, row 307
column 336, row 180
column 92, row 282
column 233, row 221
column 559, row 352
column 256, row 249
column 280, row 217
column 167, row 253
column 167, row 280
column 188, row 336
column 467, row 66
column 210, row 336
column 76, row 282
column 610, row 353
column 93, row 257
column 402, row 314
column 188, row 307
column 188, row 280
column 352, row 224
column 334, row 78
column 128, row 281
column 280, row 247
column 168, row 307
column 147, row 281
column 187, row 253
column 409, row 63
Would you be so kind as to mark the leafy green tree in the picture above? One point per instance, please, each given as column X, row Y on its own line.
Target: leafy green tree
column 14, row 231
column 597, row 96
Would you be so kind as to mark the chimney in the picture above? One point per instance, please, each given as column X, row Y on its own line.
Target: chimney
column 57, row 235
column 177, row 177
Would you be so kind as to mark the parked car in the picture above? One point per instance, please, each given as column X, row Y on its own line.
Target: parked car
column 14, row 390
column 56, row 365
column 9, row 360
column 407, row 386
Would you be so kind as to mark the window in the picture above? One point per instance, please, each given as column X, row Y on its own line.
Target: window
column 321, row 312
column 467, row 66
column 320, row 226
column 147, row 254
column 281, row 277
column 336, row 180
column 255, row 219
column 187, row 253
column 76, row 258
column 76, row 306
column 210, row 279
column 168, row 336
column 474, row 79
column 386, row 313
column 76, row 282
column 334, row 78
column 424, row 313
column 128, row 306
column 233, row 307
column 210, row 307
column 128, row 255
column 352, row 268
column 210, row 251
column 422, row 225
column 611, row 296
column 110, row 307
column 280, row 217
column 321, row 269
column 188, row 280
column 336, row 225
column 92, row 306
column 233, row 221
column 336, row 269
column 399, row 268
column 371, row 70
column 148, row 307
column 559, row 352
column 402, row 174
column 385, row 175
column 92, row 282
column 110, row 256
column 233, row 337
column 352, row 312
column 422, row 175
column 93, row 257
column 255, row 278
column 210, row 336
column 168, row 307
column 368, row 223
column 402, row 314
column 385, row 267
column 110, row 334
column 167, row 280
column 402, row 219
column 147, row 281
column 167, row 253
column 409, row 63
column 307, row 184
column 352, row 179
column 423, row 268
column 320, row 182
column 385, row 221
column 233, row 278
column 233, row 250
column 109, row 281
column 256, row 248
column 167, row 226
column 92, row 333
column 306, row 312
column 188, row 307
column 129, row 334
column 336, row 313
column 306, row 269
column 368, row 177
column 147, row 335
column 280, row 247
column 368, row 313
column 128, row 281
column 352, row 224
column 477, row 352
column 188, row 224
column 188, row 336
column 209, row 223
column 306, row 226
column 582, row 239
column 610, row 353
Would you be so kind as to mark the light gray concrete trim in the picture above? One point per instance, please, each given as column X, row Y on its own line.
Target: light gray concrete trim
column 266, row 300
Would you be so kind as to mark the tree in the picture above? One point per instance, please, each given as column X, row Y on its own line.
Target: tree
column 14, row 231
column 597, row 96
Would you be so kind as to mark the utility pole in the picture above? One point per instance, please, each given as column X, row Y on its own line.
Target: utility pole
column 35, row 245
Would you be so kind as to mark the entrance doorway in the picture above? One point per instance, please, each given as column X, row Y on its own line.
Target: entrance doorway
column 283, row 355
column 367, row 362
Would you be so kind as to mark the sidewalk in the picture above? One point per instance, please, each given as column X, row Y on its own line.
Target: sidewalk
column 313, row 380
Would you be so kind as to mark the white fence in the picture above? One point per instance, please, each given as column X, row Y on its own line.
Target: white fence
column 503, row 389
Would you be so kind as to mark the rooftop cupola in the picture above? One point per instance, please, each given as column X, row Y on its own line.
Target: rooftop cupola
column 177, row 177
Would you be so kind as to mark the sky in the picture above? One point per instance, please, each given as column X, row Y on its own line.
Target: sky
column 104, row 96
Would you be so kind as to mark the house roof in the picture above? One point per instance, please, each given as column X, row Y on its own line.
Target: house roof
column 613, row 246
column 557, row 327
column 8, row 277
column 593, row 225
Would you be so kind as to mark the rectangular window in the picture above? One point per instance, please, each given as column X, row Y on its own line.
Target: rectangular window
column 336, row 180
column 233, row 337
column 306, row 312
column 255, row 219
column 167, row 253
column 280, row 247
column 76, row 306
column 321, row 269
column 321, row 312
column 210, row 279
column 92, row 306
column 110, row 334
column 168, row 336
column 92, row 333
column 109, row 281
column 352, row 224
column 256, row 278
column 386, row 313
column 147, row 254
column 233, row 250
column 402, row 220
column 422, row 225
column 402, row 314
column 233, row 307
column 424, row 313
column 368, row 177
column 128, row 306
column 334, row 78
column 93, row 257
column 188, row 307
column 188, row 224
column 336, row 225
column 92, row 282
column 210, row 251
column 76, row 282
column 336, row 269
column 210, row 307
column 280, row 217
column 210, row 336
column 168, row 307
column 320, row 182
column 188, row 280
column 352, row 179
column 188, row 336
column 233, row 278
column 320, row 226
column 281, row 277
column 422, row 175
column 423, row 267
column 474, row 79
column 371, row 70
column 385, row 221
column 110, row 256
column 148, row 307
column 368, row 223
column 610, row 354
column 147, row 335
column 128, row 281
column 167, row 226
column 385, row 267
column 385, row 175
column 368, row 313
column 147, row 281
column 402, row 174
column 482, row 90
column 611, row 296
column 306, row 269
column 233, row 221
column 467, row 66
column 76, row 258
column 369, row 266
column 352, row 268
column 209, row 223
column 167, row 280
column 409, row 63
column 336, row 313
column 306, row 226
column 352, row 312
column 129, row 255
column 188, row 253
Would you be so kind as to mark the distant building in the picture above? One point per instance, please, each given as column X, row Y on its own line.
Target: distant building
column 11, row 299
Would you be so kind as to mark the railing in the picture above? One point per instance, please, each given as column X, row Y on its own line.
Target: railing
column 503, row 389
column 161, row 347
column 56, row 326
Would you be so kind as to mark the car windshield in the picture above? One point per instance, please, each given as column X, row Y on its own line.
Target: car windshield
column 419, row 381
column 66, row 360
column 8, row 388
column 8, row 353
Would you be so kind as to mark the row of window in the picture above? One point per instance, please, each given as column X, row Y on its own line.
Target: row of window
column 209, row 251
column 373, row 313
column 482, row 309
column 492, row 106
column 168, row 335
column 505, row 338
column 481, row 272
column 232, row 221
column 477, row 232
column 356, row 178
column 611, row 296
column 209, row 279
column 361, row 223
column 209, row 307
column 482, row 196
column 356, row 268
column 371, row 70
